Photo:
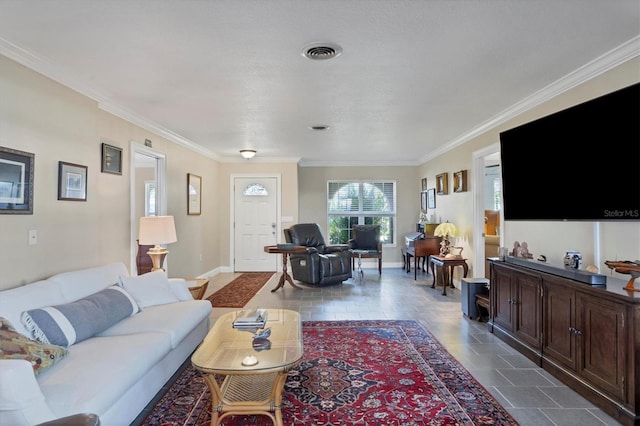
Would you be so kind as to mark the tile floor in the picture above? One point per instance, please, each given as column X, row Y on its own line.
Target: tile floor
column 531, row 395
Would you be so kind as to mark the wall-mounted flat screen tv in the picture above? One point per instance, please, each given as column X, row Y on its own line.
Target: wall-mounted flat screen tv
column 582, row 163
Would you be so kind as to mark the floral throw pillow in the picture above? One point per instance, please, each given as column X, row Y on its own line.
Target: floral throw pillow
column 14, row 345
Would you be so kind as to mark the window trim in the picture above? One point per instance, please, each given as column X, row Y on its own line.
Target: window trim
column 360, row 214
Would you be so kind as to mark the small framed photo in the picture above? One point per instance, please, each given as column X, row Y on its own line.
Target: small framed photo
column 194, row 191
column 431, row 198
column 111, row 159
column 72, row 182
column 16, row 181
column 460, row 181
column 424, row 184
column 423, row 200
column 442, row 184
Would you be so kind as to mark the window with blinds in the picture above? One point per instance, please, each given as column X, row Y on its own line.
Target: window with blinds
column 361, row 202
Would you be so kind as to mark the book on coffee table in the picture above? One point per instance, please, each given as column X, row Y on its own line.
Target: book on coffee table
column 255, row 318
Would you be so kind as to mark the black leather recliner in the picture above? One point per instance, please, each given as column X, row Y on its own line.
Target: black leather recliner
column 321, row 264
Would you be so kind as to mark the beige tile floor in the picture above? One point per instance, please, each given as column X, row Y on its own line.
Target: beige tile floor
column 531, row 395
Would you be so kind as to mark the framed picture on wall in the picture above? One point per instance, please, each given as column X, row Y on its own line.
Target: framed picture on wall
column 111, row 159
column 442, row 184
column 423, row 200
column 431, row 198
column 194, row 194
column 424, row 184
column 72, row 182
column 460, row 181
column 16, row 181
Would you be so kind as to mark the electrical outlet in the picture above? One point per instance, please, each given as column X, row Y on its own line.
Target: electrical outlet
column 33, row 237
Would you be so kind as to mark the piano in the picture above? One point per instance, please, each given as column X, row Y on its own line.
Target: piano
column 420, row 247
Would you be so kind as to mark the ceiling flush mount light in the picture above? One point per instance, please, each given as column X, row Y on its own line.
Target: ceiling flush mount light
column 248, row 153
column 321, row 51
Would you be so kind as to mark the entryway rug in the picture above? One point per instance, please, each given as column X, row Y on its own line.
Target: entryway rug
column 356, row 373
column 238, row 292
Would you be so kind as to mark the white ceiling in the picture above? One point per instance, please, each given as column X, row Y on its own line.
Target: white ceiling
column 415, row 78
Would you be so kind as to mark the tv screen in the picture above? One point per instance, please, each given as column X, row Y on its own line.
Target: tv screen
column 582, row 163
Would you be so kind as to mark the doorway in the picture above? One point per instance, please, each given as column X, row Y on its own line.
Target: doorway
column 486, row 157
column 148, row 191
column 255, row 224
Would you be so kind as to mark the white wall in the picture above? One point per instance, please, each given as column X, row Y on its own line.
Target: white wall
column 40, row 116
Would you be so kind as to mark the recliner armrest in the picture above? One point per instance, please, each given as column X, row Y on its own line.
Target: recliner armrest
column 336, row 248
column 307, row 251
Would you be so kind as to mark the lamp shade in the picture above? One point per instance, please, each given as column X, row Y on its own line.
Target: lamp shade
column 446, row 229
column 155, row 230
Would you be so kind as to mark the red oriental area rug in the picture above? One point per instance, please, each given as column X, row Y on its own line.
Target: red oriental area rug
column 238, row 292
column 356, row 373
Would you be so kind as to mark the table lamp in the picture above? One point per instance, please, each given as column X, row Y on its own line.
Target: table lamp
column 156, row 230
column 445, row 230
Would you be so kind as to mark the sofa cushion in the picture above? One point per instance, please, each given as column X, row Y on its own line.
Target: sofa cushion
column 14, row 345
column 150, row 289
column 175, row 320
column 57, row 290
column 74, row 322
column 85, row 282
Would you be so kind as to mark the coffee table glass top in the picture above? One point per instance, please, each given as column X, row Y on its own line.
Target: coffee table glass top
column 225, row 348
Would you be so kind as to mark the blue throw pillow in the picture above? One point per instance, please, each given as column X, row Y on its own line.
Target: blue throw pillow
column 74, row 322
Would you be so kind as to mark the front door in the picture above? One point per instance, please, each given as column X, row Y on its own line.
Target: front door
column 255, row 206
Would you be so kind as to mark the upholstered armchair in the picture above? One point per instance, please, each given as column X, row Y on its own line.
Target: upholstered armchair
column 321, row 264
column 367, row 237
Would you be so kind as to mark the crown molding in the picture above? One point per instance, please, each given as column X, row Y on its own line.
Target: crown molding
column 617, row 56
column 607, row 61
column 44, row 66
column 157, row 129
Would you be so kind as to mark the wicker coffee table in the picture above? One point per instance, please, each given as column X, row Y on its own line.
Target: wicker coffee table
column 253, row 379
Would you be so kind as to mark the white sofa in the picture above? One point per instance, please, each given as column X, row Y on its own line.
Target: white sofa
column 113, row 374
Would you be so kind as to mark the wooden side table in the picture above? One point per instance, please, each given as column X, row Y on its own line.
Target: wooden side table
column 285, row 251
column 444, row 267
column 197, row 287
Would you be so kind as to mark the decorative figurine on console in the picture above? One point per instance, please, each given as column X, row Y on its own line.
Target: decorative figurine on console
column 626, row 267
column 521, row 250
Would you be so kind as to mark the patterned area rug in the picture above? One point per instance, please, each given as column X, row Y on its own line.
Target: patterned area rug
column 356, row 373
column 238, row 292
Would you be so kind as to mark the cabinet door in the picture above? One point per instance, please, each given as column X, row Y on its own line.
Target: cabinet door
column 602, row 344
column 503, row 300
column 559, row 341
column 527, row 306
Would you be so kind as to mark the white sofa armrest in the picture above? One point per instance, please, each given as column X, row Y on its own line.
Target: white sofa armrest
column 21, row 401
column 180, row 289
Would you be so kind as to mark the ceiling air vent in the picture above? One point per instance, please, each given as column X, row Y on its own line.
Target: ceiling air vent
column 319, row 127
column 321, row 51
